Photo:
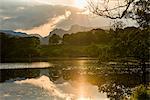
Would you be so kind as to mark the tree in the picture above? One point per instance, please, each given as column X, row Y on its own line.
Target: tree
column 16, row 48
column 134, row 44
column 54, row 39
column 138, row 10
column 66, row 39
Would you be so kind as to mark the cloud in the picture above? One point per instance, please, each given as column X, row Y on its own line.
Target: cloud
column 57, row 2
column 49, row 26
column 27, row 17
column 42, row 18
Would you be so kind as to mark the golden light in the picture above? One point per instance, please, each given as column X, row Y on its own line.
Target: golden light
column 82, row 63
column 84, row 98
column 81, row 3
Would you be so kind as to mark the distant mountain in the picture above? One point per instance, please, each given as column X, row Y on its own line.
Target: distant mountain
column 61, row 32
column 73, row 29
column 13, row 33
column 36, row 35
column 42, row 39
column 45, row 40
column 77, row 28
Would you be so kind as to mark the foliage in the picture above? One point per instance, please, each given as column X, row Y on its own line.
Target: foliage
column 115, row 91
column 117, row 43
column 95, row 36
column 63, row 51
column 131, row 42
column 19, row 47
column 138, row 10
column 141, row 93
column 54, row 39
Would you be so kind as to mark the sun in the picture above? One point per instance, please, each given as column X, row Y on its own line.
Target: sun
column 81, row 3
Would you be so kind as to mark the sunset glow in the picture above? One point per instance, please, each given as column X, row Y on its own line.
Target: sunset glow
column 74, row 49
column 81, row 3
column 83, row 98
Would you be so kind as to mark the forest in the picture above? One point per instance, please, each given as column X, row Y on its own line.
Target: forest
column 118, row 43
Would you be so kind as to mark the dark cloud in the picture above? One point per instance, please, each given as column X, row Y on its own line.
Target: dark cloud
column 19, row 16
column 29, row 14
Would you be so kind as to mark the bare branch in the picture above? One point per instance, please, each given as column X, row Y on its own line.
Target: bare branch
column 106, row 12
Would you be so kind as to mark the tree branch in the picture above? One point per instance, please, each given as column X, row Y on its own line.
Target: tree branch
column 107, row 12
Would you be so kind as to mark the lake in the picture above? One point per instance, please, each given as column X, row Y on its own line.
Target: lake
column 68, row 79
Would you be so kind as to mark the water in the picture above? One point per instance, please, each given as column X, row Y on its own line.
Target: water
column 25, row 65
column 79, row 79
column 43, row 89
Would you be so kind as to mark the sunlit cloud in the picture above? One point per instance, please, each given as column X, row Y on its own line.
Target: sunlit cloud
column 55, row 2
column 20, row 8
column 44, row 29
column 42, row 16
column 6, row 18
column 84, row 12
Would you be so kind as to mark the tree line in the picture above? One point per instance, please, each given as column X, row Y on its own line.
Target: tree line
column 129, row 42
column 14, row 47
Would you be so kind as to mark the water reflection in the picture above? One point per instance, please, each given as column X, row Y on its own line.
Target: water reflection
column 117, row 80
column 48, row 90
column 87, row 79
column 25, row 65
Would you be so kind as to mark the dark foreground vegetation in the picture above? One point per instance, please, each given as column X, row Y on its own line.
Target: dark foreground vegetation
column 130, row 42
column 124, row 45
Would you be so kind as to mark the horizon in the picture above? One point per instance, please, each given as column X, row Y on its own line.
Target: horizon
column 104, row 28
column 74, row 49
column 41, row 17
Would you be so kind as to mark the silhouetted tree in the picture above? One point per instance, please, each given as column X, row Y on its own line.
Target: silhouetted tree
column 54, row 39
column 136, row 9
column 134, row 44
column 13, row 47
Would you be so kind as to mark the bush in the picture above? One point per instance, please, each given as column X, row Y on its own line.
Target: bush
column 141, row 93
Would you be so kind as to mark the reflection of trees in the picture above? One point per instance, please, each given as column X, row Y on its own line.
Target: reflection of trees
column 115, row 92
column 141, row 93
column 100, row 74
column 93, row 76
column 112, row 80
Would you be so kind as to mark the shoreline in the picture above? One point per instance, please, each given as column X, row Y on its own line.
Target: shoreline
column 46, row 59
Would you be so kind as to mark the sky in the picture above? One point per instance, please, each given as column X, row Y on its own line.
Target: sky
column 42, row 16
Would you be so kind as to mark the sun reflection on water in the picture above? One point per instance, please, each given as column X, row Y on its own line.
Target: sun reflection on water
column 81, row 85
column 84, row 98
column 83, row 89
column 82, row 63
